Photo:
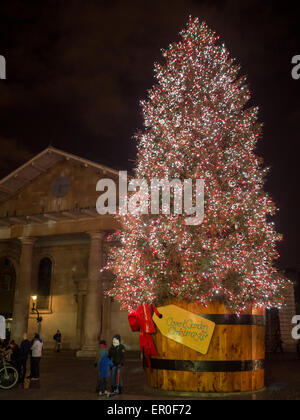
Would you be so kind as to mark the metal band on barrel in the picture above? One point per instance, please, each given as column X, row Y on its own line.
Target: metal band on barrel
column 231, row 319
column 207, row 366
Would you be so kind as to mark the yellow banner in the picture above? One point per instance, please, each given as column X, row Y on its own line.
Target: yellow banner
column 185, row 328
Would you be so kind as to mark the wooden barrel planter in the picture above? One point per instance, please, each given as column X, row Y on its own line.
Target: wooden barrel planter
column 234, row 362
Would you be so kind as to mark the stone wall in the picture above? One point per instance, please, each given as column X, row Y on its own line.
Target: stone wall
column 120, row 325
column 68, row 271
column 68, row 290
column 67, row 244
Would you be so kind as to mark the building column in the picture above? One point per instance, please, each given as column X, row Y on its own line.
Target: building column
column 94, row 298
column 106, row 322
column 81, row 294
column 23, row 291
column 286, row 315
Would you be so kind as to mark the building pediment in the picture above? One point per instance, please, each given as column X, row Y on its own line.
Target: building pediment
column 40, row 164
column 52, row 187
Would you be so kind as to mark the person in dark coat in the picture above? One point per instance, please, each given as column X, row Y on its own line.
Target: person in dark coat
column 24, row 353
column 117, row 356
column 13, row 353
column 57, row 339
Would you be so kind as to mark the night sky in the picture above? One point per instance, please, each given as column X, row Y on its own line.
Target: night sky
column 77, row 69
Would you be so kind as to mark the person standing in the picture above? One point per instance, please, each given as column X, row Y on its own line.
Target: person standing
column 101, row 351
column 57, row 339
column 117, row 356
column 36, row 355
column 24, row 352
column 104, row 372
column 13, row 353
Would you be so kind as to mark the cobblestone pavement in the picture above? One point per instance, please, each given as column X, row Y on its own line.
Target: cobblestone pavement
column 64, row 377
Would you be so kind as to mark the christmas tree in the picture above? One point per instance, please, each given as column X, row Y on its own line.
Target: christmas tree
column 197, row 126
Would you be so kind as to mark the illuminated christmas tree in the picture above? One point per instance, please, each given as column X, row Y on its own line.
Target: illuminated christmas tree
column 197, row 126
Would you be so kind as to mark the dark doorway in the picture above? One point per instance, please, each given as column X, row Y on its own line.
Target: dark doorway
column 7, row 287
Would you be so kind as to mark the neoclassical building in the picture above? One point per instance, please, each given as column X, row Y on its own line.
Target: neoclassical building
column 53, row 244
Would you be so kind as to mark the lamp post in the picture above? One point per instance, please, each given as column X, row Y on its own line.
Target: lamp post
column 34, row 309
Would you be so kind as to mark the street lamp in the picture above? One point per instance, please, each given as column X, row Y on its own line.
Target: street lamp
column 34, row 309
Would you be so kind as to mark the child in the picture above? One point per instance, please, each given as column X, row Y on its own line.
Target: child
column 101, row 351
column 104, row 370
column 117, row 355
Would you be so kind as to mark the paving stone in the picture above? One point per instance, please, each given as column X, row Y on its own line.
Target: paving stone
column 64, row 377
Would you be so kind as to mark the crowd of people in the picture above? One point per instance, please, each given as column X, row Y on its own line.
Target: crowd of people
column 109, row 362
column 18, row 356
